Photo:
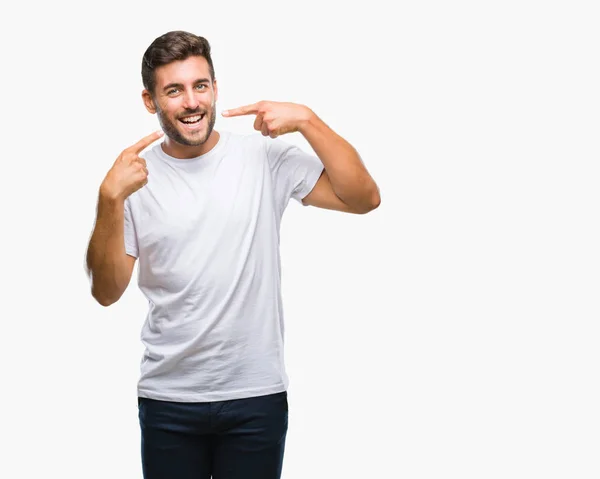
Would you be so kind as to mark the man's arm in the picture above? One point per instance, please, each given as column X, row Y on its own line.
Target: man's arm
column 345, row 185
column 108, row 266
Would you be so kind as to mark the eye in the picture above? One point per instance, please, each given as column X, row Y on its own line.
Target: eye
column 201, row 86
column 172, row 91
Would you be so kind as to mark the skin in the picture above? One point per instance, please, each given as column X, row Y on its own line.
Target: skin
column 183, row 89
column 108, row 266
column 345, row 184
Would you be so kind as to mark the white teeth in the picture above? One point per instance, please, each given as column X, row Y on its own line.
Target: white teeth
column 192, row 119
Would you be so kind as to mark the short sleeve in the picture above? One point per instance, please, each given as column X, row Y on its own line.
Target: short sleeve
column 131, row 244
column 295, row 172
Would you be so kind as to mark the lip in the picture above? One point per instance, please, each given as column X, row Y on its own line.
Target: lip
column 193, row 126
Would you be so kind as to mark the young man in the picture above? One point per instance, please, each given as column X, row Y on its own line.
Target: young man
column 201, row 210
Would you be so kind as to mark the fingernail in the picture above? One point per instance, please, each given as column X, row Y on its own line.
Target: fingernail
column 225, row 113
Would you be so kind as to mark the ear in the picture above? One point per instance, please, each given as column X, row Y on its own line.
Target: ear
column 148, row 102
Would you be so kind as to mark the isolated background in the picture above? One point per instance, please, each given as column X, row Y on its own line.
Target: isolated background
column 452, row 333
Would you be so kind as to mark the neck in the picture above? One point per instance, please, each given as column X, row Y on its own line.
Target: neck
column 184, row 152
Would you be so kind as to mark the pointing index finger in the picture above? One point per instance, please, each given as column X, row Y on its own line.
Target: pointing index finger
column 146, row 141
column 242, row 110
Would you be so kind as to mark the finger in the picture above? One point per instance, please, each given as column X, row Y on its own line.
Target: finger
column 242, row 110
column 258, row 122
column 139, row 159
column 143, row 179
column 146, row 141
column 143, row 168
column 265, row 129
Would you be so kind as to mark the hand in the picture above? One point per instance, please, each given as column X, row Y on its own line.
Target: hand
column 274, row 118
column 129, row 173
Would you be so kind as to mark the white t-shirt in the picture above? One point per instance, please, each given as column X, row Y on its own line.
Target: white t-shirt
column 206, row 234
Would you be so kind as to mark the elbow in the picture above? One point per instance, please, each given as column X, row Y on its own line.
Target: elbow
column 375, row 199
column 372, row 202
column 105, row 302
column 103, row 299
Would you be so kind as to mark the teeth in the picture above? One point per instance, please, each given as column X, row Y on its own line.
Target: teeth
column 192, row 119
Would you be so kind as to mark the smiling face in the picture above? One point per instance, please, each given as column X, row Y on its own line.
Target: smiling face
column 184, row 100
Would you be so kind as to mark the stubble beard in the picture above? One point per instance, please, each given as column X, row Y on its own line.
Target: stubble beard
column 177, row 136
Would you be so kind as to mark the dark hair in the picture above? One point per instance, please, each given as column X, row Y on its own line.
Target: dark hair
column 170, row 47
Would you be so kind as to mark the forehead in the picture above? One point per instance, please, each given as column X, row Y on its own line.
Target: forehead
column 182, row 71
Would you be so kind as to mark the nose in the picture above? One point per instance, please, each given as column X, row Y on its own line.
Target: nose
column 190, row 100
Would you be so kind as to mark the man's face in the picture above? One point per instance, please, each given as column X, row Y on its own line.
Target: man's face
column 184, row 100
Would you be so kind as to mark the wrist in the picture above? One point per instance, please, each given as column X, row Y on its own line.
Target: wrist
column 307, row 120
column 109, row 196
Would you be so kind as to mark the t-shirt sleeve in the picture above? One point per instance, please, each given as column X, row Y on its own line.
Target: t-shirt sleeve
column 295, row 172
column 131, row 244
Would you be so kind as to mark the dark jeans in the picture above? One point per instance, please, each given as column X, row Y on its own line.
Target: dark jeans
column 237, row 439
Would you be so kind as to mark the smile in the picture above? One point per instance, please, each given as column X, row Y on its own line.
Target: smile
column 192, row 120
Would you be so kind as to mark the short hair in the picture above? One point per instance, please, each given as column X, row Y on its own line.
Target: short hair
column 173, row 46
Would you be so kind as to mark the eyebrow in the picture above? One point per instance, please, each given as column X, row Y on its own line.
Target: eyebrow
column 180, row 85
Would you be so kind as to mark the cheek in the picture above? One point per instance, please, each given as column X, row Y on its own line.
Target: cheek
column 169, row 107
column 172, row 114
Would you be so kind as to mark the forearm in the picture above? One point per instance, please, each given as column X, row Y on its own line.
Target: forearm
column 106, row 258
column 349, row 178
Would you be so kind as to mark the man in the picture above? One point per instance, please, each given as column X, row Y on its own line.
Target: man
column 201, row 210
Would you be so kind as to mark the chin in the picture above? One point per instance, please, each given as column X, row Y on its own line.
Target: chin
column 195, row 141
column 185, row 139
